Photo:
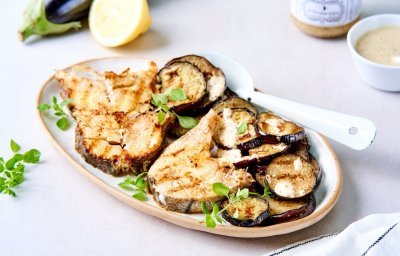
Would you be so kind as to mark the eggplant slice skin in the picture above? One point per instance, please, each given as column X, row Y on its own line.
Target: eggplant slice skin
column 288, row 132
column 301, row 148
column 187, row 77
column 234, row 102
column 252, row 211
column 261, row 154
column 289, row 210
column 317, row 169
column 289, row 176
column 229, row 120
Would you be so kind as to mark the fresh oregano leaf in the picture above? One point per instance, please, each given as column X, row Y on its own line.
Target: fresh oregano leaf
column 43, row 107
column 63, row 123
column 161, row 116
column 242, row 128
column 220, row 189
column 177, row 94
column 210, row 221
column 32, row 156
column 14, row 146
column 187, row 121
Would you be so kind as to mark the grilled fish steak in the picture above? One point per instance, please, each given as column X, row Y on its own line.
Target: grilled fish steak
column 182, row 176
column 108, row 92
column 117, row 131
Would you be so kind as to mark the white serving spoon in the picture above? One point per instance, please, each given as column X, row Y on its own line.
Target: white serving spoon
column 352, row 131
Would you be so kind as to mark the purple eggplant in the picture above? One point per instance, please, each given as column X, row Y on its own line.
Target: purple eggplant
column 52, row 17
column 63, row 11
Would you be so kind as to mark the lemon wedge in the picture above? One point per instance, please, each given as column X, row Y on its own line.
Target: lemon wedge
column 117, row 22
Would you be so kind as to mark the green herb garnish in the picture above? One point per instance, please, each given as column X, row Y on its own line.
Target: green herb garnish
column 137, row 185
column 242, row 128
column 63, row 122
column 267, row 190
column 161, row 99
column 177, row 95
column 12, row 171
column 212, row 218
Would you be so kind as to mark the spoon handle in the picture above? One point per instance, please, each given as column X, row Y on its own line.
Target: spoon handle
column 352, row 131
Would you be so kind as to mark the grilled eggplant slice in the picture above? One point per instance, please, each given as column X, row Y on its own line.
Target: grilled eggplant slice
column 182, row 176
column 261, row 154
column 270, row 125
column 289, row 210
column 187, row 77
column 227, row 132
column 289, row 176
column 233, row 103
column 251, row 211
column 214, row 76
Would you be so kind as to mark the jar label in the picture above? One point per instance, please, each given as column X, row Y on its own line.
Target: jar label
column 325, row 13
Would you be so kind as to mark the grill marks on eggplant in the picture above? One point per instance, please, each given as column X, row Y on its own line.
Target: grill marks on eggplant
column 182, row 176
column 214, row 76
column 270, row 125
column 234, row 102
column 289, row 176
column 187, row 77
column 252, row 211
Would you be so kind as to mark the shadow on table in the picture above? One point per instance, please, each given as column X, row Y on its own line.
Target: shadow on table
column 150, row 40
column 157, row 3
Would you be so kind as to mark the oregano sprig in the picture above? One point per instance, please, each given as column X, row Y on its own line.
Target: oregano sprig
column 161, row 99
column 63, row 122
column 212, row 218
column 12, row 170
column 137, row 185
column 267, row 190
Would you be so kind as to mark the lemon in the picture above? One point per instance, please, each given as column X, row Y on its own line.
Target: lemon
column 117, row 22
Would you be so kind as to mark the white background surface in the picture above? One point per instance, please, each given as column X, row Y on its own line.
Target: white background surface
column 60, row 212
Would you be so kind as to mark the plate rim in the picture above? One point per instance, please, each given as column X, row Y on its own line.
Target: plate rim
column 177, row 218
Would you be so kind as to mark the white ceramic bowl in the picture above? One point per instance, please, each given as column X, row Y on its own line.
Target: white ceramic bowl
column 379, row 76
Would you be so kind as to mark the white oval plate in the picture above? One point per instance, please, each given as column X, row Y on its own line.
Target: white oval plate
column 326, row 194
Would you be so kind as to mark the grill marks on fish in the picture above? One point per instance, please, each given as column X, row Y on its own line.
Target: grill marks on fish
column 117, row 130
column 182, row 176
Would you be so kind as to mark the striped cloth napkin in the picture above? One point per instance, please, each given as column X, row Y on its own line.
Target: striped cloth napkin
column 377, row 234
